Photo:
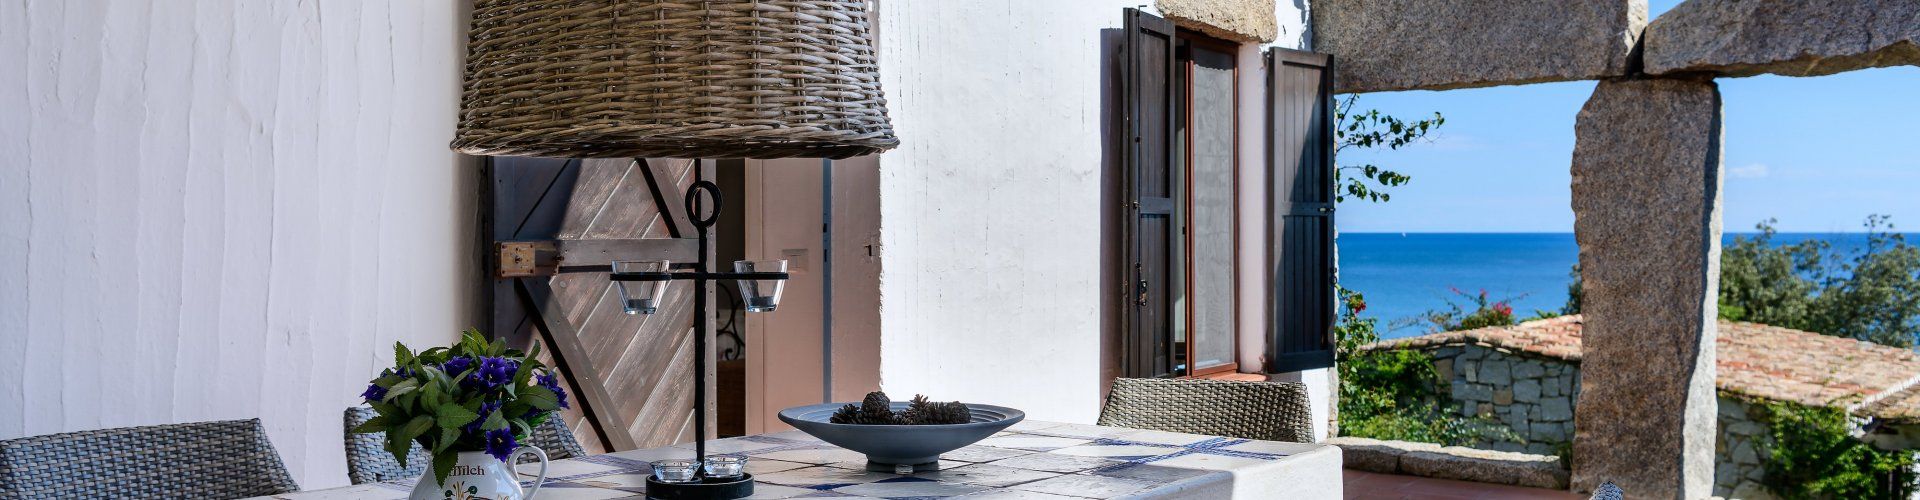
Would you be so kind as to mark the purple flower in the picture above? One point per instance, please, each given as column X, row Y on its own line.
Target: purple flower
column 457, row 364
column 493, row 373
column 552, row 383
column 374, row 393
column 500, row 444
column 485, row 409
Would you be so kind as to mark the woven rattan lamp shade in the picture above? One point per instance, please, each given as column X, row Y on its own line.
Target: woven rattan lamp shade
column 684, row 79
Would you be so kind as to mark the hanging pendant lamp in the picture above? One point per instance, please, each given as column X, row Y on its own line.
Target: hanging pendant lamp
column 682, row 79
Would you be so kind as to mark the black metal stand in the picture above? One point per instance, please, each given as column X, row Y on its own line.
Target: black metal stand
column 703, row 488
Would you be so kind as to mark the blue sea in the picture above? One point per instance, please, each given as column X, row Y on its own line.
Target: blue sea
column 1406, row 274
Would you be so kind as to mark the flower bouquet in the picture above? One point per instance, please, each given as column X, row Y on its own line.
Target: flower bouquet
column 466, row 399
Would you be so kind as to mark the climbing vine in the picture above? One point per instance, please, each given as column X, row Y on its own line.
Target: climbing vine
column 1811, row 453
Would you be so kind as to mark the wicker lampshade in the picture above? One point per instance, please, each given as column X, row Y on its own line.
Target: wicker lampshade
column 663, row 78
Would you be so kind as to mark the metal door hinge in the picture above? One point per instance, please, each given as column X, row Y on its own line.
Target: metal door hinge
column 519, row 259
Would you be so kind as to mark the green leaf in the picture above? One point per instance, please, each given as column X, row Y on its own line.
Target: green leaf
column 404, row 387
column 453, row 416
column 516, row 408
column 540, row 397
column 448, row 435
column 526, row 372
column 443, row 465
column 414, row 428
column 377, row 424
column 494, row 422
column 398, row 447
column 401, row 355
column 522, row 428
column 431, row 396
column 388, row 381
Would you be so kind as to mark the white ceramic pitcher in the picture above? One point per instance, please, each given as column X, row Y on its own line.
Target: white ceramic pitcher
column 477, row 476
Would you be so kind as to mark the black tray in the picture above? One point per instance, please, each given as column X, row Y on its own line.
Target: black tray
column 707, row 488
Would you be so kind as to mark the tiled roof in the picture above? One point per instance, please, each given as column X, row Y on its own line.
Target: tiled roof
column 1902, row 406
column 1554, row 338
column 1753, row 360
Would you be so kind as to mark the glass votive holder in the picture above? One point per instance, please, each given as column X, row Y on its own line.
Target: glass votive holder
column 726, row 467
column 640, row 297
column 675, row 470
column 761, row 295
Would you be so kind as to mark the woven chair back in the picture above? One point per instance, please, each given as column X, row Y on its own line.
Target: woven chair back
column 1271, row 411
column 230, row 459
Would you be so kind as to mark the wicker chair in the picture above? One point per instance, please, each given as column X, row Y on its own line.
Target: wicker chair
column 1272, row 411
column 230, row 459
column 369, row 462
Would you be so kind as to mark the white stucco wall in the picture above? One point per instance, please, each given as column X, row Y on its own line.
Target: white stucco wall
column 225, row 210
column 991, row 209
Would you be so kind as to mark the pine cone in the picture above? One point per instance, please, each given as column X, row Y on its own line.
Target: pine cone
column 949, row 413
column 917, row 411
column 848, row 414
column 876, row 409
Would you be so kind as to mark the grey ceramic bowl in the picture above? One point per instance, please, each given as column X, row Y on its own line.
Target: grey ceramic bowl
column 891, row 445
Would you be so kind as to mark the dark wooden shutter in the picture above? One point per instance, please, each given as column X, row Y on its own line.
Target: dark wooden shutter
column 1300, row 210
column 1149, row 234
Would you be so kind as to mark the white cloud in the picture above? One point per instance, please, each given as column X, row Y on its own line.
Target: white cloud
column 1748, row 171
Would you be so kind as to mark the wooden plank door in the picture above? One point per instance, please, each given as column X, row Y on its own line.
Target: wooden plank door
column 630, row 374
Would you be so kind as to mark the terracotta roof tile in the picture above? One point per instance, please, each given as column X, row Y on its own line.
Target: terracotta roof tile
column 1754, row 360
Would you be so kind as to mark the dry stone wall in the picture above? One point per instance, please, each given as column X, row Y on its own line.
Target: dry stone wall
column 1529, row 398
column 1740, row 454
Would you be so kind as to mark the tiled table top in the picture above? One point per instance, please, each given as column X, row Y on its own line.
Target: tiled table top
column 1031, row 460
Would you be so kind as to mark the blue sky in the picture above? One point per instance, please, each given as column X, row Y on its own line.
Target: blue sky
column 1819, row 154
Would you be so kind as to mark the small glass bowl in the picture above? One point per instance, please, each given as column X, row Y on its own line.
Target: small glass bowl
column 675, row 470
column 726, row 467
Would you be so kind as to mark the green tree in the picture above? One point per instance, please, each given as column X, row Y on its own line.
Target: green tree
column 1373, row 129
column 1870, row 294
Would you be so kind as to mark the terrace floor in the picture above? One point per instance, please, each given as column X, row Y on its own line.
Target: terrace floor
column 1374, row 486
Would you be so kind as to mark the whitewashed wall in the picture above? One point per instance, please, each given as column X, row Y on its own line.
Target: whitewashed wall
column 991, row 210
column 226, row 209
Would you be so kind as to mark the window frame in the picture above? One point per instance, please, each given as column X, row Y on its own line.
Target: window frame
column 1186, row 67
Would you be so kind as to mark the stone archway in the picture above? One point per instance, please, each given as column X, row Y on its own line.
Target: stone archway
column 1646, row 174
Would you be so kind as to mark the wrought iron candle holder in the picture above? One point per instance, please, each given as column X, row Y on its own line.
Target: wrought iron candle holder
column 641, row 285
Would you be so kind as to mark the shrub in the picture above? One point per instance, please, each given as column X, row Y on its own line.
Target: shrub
column 1811, row 454
column 1390, row 394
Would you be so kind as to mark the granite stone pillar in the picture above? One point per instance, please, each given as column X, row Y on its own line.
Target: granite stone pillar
column 1646, row 204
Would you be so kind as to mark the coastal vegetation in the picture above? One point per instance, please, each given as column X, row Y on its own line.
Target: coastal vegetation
column 1869, row 293
column 1389, row 394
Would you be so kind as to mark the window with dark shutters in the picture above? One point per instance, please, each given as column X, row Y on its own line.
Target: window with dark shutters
column 1300, row 121
column 1163, row 70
